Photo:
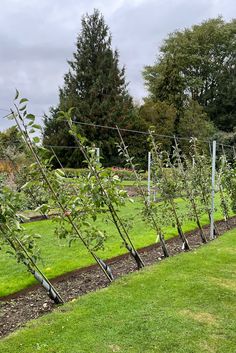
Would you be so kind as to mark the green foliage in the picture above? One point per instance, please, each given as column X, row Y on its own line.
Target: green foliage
column 149, row 211
column 13, row 155
column 227, row 138
column 161, row 115
column 184, row 171
column 75, row 172
column 34, row 189
column 166, row 183
column 198, row 64
column 104, row 190
column 225, row 201
column 195, row 123
column 227, row 185
column 11, row 139
column 13, row 237
column 75, row 207
column 103, row 184
column 201, row 174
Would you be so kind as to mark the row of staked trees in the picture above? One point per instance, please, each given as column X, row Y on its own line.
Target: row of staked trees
column 191, row 86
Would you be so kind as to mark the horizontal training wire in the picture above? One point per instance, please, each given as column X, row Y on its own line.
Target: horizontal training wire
column 131, row 131
column 137, row 132
column 145, row 132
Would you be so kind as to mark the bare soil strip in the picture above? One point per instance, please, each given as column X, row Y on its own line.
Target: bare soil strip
column 30, row 303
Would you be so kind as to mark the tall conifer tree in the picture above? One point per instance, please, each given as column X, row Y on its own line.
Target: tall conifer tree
column 95, row 86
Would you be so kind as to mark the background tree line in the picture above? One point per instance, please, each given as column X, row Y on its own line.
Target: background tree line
column 191, row 91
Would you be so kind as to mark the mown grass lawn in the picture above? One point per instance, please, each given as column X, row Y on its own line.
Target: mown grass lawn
column 58, row 258
column 185, row 304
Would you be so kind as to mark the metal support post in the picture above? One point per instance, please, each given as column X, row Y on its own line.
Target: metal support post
column 98, row 154
column 149, row 176
column 212, row 235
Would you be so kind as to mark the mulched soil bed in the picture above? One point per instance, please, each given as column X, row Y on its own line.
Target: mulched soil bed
column 30, row 303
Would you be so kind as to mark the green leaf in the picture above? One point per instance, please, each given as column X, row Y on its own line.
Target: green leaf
column 30, row 117
column 59, row 175
column 36, row 139
column 86, row 224
column 17, row 94
column 36, row 126
column 23, row 100
column 60, row 172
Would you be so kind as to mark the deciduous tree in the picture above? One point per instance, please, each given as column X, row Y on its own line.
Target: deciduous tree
column 198, row 64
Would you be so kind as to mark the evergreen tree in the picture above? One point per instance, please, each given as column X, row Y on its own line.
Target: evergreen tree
column 95, row 86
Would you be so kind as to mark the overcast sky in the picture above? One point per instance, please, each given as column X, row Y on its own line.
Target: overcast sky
column 37, row 37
